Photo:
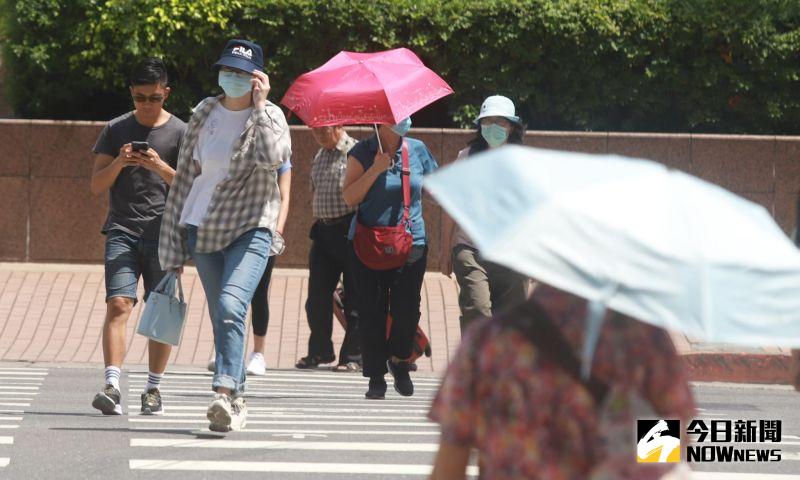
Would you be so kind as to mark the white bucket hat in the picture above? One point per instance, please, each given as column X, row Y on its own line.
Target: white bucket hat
column 498, row 106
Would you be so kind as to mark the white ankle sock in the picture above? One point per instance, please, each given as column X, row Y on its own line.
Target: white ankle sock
column 153, row 381
column 112, row 376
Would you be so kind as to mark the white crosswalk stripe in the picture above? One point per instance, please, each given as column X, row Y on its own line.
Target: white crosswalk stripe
column 308, row 423
column 18, row 387
column 298, row 422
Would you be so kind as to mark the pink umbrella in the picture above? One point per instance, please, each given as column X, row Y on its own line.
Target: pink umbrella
column 357, row 88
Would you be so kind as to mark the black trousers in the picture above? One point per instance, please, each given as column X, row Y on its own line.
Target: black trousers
column 327, row 262
column 260, row 302
column 381, row 292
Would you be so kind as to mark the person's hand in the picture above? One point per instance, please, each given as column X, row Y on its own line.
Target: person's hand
column 382, row 162
column 261, row 89
column 125, row 158
column 148, row 159
column 445, row 263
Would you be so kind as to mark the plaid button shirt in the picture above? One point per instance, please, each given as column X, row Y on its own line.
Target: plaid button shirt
column 327, row 179
column 247, row 198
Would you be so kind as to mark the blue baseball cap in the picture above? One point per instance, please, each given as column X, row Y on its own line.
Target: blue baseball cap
column 242, row 54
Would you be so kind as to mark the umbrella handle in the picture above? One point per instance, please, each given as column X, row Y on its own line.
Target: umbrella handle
column 595, row 314
column 378, row 136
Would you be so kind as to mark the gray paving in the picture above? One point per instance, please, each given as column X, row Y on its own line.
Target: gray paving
column 302, row 425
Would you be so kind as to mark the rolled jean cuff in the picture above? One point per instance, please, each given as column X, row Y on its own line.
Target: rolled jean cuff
column 225, row 381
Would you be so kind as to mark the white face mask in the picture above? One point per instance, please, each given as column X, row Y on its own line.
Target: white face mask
column 402, row 127
column 494, row 134
column 233, row 84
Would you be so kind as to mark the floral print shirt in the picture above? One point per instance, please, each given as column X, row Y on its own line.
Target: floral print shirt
column 528, row 418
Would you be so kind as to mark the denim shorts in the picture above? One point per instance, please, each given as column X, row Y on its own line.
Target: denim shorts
column 127, row 258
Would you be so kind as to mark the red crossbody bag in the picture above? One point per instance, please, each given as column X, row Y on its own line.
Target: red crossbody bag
column 385, row 248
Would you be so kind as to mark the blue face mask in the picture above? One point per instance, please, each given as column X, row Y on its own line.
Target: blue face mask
column 494, row 134
column 402, row 127
column 233, row 84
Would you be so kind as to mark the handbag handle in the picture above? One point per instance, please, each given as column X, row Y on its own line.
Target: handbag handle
column 405, row 178
column 166, row 287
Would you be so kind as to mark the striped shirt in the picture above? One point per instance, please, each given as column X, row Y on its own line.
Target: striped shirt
column 246, row 198
column 328, row 170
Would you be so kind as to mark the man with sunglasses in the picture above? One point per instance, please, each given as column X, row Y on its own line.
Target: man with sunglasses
column 135, row 160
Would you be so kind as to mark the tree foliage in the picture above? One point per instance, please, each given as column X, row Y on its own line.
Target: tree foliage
column 624, row 65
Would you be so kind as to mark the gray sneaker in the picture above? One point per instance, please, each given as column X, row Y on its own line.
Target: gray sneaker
column 225, row 415
column 107, row 401
column 151, row 403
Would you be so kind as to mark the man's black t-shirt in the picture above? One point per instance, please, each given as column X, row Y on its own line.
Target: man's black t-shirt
column 138, row 195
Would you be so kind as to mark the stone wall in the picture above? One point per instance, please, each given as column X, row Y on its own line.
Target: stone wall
column 48, row 213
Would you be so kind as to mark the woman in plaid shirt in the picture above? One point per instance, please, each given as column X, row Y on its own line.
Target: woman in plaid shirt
column 223, row 209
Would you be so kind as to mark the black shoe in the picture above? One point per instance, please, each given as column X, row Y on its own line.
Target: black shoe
column 377, row 389
column 151, row 403
column 314, row 361
column 402, row 380
column 107, row 401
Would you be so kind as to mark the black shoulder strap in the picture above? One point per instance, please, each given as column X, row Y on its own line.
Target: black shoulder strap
column 533, row 322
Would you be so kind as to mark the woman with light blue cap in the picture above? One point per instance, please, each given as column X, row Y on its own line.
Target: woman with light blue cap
column 485, row 287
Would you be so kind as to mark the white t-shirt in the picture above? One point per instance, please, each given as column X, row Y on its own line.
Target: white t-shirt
column 212, row 154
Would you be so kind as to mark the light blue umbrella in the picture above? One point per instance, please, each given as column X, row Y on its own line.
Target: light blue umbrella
column 632, row 235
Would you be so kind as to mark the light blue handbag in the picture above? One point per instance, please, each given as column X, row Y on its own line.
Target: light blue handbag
column 164, row 315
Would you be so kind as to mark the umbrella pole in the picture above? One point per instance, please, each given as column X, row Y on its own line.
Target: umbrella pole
column 378, row 136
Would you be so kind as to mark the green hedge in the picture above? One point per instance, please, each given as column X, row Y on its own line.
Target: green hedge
column 624, row 65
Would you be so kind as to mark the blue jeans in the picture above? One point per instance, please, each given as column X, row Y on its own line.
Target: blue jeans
column 128, row 257
column 229, row 278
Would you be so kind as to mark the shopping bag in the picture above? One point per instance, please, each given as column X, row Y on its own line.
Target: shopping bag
column 164, row 315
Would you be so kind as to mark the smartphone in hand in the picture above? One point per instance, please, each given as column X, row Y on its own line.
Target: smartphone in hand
column 140, row 146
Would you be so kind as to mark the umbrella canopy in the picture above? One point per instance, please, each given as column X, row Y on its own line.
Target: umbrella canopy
column 354, row 88
column 647, row 241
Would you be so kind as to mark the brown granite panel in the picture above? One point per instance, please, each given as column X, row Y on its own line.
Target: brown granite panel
column 14, row 218
column 671, row 150
column 453, row 141
column 586, row 142
column 786, row 210
column 63, row 149
column 299, row 222
column 66, row 220
column 15, row 159
column 738, row 163
column 787, row 164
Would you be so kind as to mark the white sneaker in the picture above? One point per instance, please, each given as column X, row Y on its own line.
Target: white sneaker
column 219, row 413
column 256, row 365
column 238, row 414
column 224, row 415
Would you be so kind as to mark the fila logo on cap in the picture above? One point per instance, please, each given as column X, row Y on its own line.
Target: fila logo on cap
column 245, row 52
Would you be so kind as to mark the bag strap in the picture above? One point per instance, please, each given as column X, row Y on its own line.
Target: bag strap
column 163, row 284
column 180, row 288
column 405, row 178
column 534, row 322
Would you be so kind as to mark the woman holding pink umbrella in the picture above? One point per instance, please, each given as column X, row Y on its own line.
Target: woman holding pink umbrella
column 384, row 180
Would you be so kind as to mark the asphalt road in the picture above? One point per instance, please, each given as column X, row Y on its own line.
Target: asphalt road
column 301, row 425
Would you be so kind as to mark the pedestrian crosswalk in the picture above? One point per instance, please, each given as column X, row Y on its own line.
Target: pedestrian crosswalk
column 314, row 422
column 18, row 388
